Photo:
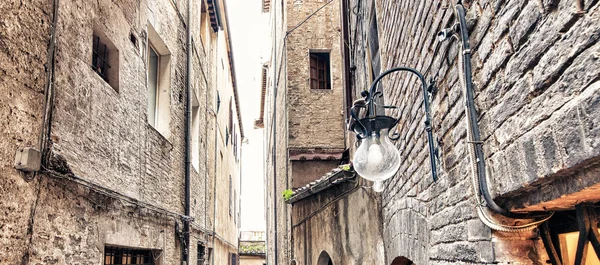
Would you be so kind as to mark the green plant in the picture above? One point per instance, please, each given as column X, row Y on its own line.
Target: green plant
column 346, row 167
column 287, row 194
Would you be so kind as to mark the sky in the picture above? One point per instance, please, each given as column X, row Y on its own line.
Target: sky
column 249, row 37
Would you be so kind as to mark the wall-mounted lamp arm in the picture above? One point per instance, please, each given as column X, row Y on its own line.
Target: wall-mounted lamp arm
column 371, row 112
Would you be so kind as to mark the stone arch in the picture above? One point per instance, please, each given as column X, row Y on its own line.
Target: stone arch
column 324, row 259
column 402, row 261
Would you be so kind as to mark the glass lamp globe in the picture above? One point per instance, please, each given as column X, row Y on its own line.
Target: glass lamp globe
column 378, row 186
column 376, row 159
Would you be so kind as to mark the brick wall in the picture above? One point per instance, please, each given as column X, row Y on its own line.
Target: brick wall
column 535, row 67
column 315, row 116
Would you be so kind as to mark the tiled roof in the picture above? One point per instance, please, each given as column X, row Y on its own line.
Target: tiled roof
column 337, row 176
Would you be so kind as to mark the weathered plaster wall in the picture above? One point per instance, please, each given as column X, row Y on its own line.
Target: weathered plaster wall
column 304, row 172
column 348, row 229
column 536, row 82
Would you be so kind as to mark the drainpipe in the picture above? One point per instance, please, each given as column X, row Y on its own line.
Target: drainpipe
column 214, row 194
column 274, row 125
column 476, row 155
column 188, row 130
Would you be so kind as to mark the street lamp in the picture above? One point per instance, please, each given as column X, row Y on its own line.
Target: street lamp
column 377, row 158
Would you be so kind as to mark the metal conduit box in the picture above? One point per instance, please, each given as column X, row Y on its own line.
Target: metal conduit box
column 28, row 159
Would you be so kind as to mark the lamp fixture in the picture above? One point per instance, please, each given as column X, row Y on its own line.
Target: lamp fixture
column 377, row 158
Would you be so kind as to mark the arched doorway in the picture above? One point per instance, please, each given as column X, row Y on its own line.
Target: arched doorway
column 324, row 259
column 402, row 261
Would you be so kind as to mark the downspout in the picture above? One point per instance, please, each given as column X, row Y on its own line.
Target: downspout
column 188, row 134
column 346, row 56
column 477, row 158
column 274, row 125
column 214, row 194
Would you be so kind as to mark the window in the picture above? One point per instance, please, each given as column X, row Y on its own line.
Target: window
column 105, row 58
column 152, row 84
column 231, row 116
column 116, row 255
column 230, row 195
column 195, row 137
column 235, row 141
column 234, row 207
column 159, row 83
column 233, row 259
column 319, row 70
column 201, row 253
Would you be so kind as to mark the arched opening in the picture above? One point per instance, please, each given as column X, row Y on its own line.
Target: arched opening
column 402, row 261
column 324, row 259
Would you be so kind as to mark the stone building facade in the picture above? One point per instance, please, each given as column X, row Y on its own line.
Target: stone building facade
column 100, row 89
column 303, row 116
column 536, row 81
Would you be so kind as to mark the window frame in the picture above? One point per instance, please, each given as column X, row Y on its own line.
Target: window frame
column 230, row 194
column 322, row 62
column 157, row 89
column 118, row 253
column 96, row 43
column 109, row 57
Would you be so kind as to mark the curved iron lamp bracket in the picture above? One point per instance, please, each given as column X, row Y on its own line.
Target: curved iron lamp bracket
column 375, row 123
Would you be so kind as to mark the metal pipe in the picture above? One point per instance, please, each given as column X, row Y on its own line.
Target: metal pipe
column 274, row 125
column 476, row 150
column 188, row 134
column 214, row 194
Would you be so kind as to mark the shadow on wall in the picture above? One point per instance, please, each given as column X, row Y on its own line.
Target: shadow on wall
column 400, row 261
column 324, row 259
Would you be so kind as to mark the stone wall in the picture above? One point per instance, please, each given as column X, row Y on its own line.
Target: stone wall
column 22, row 84
column 535, row 67
column 277, row 170
column 315, row 116
column 122, row 180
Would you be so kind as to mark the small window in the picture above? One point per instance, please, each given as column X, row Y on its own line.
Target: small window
column 195, row 137
column 319, row 70
column 234, row 207
column 153, row 67
column 105, row 58
column 235, row 143
column 116, row 255
column 230, row 195
column 201, row 254
column 159, row 83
